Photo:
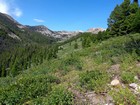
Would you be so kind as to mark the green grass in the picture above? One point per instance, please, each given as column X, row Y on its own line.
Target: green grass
column 27, row 88
column 124, row 96
column 80, row 69
column 95, row 80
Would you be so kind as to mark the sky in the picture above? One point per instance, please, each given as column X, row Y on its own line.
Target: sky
column 70, row 15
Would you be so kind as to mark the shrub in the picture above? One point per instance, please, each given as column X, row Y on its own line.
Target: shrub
column 60, row 96
column 69, row 63
column 133, row 45
column 27, row 88
column 127, row 77
column 94, row 80
column 75, row 46
column 124, row 97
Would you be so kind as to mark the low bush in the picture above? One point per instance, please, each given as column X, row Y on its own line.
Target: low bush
column 69, row 63
column 124, row 96
column 27, row 88
column 133, row 45
column 60, row 96
column 94, row 80
column 127, row 77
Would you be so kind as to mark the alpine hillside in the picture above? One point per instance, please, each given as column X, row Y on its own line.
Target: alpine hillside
column 39, row 66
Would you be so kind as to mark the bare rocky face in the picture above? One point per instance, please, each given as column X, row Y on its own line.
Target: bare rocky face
column 95, row 30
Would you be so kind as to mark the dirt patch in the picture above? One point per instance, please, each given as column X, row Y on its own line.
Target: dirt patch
column 91, row 98
column 115, row 67
column 138, row 64
column 95, row 99
column 114, row 70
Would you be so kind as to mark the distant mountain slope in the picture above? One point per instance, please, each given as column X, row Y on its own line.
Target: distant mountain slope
column 95, row 30
column 13, row 33
column 41, row 29
column 61, row 35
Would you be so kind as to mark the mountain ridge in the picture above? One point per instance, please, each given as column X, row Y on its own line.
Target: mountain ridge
column 61, row 35
column 13, row 31
column 96, row 30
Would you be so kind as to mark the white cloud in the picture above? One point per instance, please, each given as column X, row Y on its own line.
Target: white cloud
column 17, row 12
column 3, row 7
column 39, row 20
column 9, row 7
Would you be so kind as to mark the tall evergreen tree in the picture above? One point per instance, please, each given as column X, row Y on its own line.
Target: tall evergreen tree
column 136, row 1
column 125, row 13
column 114, row 21
column 136, row 22
column 75, row 45
column 122, row 17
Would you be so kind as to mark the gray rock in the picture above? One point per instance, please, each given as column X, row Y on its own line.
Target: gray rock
column 110, row 104
column 133, row 85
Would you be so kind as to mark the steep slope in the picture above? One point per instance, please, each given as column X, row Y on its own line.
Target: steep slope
column 64, row 35
column 12, row 33
column 41, row 29
column 19, row 33
column 60, row 35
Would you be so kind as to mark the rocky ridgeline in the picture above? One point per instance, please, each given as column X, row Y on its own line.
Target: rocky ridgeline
column 62, row 35
column 95, row 30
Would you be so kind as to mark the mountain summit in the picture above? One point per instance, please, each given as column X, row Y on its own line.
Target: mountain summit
column 95, row 30
column 41, row 29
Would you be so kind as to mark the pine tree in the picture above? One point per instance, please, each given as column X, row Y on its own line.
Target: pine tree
column 88, row 42
column 14, row 70
column 122, row 17
column 136, row 23
column 125, row 13
column 136, row 1
column 75, row 45
column 3, row 73
column 83, row 42
column 114, row 21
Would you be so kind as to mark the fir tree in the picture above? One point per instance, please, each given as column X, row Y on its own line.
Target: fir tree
column 122, row 18
column 136, row 1
column 75, row 45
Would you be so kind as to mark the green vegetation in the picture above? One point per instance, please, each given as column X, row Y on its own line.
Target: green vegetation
column 128, row 77
column 94, row 80
column 20, row 59
column 65, row 73
column 82, row 69
column 26, row 88
column 124, row 97
column 60, row 96
column 124, row 19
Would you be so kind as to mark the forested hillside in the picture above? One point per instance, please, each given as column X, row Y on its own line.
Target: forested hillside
column 20, row 47
column 13, row 33
column 87, row 69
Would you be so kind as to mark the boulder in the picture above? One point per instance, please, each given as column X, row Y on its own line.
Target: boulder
column 133, row 85
column 135, row 88
column 115, row 82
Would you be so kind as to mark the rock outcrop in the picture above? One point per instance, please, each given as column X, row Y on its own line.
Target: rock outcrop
column 95, row 30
